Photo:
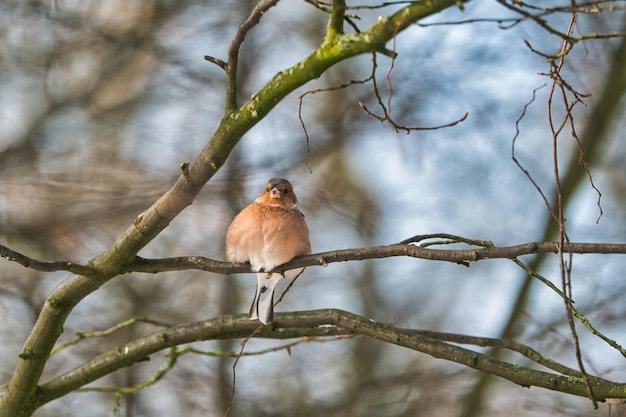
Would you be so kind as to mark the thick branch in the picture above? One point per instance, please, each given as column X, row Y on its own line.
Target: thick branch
column 319, row 323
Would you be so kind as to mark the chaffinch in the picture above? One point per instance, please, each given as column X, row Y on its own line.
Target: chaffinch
column 269, row 232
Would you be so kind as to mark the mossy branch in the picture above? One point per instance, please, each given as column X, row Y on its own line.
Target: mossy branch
column 333, row 322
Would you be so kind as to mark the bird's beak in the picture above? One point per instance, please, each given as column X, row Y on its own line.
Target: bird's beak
column 275, row 193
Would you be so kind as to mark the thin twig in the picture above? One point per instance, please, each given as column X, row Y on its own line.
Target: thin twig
column 581, row 317
column 104, row 333
column 244, row 342
column 223, row 65
column 565, row 266
column 319, row 90
column 44, row 266
column 250, row 22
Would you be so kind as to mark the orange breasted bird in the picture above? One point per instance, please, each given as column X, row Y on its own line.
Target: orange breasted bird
column 269, row 232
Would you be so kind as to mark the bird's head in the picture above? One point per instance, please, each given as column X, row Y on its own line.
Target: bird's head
column 278, row 192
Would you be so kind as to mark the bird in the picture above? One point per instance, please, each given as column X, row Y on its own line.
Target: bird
column 267, row 233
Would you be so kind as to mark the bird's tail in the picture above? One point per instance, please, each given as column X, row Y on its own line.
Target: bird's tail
column 263, row 305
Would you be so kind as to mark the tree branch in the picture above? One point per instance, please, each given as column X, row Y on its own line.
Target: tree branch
column 332, row 322
column 233, row 52
column 424, row 251
column 28, row 262
column 335, row 23
column 460, row 256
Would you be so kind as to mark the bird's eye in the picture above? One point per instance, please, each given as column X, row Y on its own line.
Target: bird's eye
column 285, row 191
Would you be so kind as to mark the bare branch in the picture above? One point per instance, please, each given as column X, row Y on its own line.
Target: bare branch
column 223, row 65
column 511, row 345
column 460, row 256
column 28, row 262
column 335, row 23
column 104, row 333
column 233, row 52
column 539, row 17
column 386, row 117
column 579, row 316
column 318, row 90
column 332, row 322
column 405, row 248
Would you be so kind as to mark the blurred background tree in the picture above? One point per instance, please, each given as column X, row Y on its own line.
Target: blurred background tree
column 102, row 101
